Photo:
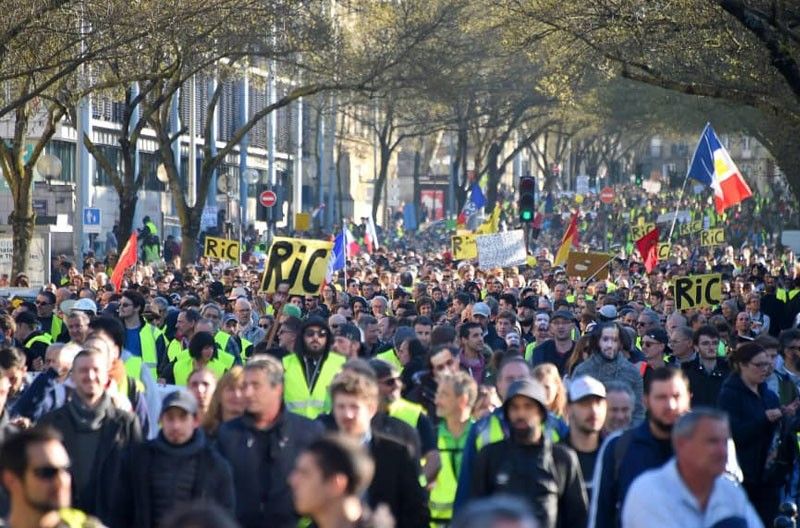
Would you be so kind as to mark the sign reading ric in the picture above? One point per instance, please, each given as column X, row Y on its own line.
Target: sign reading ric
column 640, row 230
column 698, row 290
column 464, row 246
column 712, row 237
column 221, row 248
column 300, row 262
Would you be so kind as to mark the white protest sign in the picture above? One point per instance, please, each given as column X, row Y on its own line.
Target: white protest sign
column 36, row 264
column 500, row 250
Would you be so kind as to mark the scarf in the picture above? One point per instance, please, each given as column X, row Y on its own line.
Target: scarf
column 88, row 418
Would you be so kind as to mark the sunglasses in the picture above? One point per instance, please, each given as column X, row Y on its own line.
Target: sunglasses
column 49, row 472
column 315, row 333
column 41, row 303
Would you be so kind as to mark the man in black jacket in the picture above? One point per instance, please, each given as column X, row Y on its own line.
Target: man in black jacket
column 176, row 467
column 396, row 481
column 96, row 434
column 527, row 465
column 262, row 447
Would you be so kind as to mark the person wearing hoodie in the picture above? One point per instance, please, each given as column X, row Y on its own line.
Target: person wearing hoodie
column 607, row 364
column 177, row 466
column 311, row 369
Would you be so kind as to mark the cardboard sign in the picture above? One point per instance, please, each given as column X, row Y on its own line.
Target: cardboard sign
column 500, row 250
column 712, row 237
column 640, row 230
column 301, row 262
column 302, row 222
column 585, row 265
column 698, row 290
column 663, row 251
column 464, row 246
column 221, row 248
column 689, row 228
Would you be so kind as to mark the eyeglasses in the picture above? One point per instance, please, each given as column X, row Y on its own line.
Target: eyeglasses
column 315, row 333
column 49, row 472
column 125, row 305
column 762, row 365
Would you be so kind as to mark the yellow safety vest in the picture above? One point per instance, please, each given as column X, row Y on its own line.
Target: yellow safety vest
column 56, row 327
column 222, row 340
column 443, row 493
column 529, row 351
column 147, row 339
column 41, row 338
column 406, row 411
column 298, row 397
column 175, row 350
column 246, row 345
column 390, row 356
column 494, row 433
column 218, row 366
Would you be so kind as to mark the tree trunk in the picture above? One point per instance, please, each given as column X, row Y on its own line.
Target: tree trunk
column 493, row 172
column 127, row 208
column 461, row 157
column 383, row 172
column 417, row 191
column 22, row 220
column 190, row 231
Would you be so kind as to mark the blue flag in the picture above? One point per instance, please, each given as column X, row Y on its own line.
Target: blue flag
column 338, row 258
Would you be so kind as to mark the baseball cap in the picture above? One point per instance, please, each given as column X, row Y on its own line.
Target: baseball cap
column 292, row 310
column 180, row 399
column 530, row 389
column 607, row 313
column 659, row 334
column 481, row 308
column 562, row 314
column 236, row 293
column 85, row 305
column 585, row 386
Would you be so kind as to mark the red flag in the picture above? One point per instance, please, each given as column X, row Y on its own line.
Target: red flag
column 126, row 259
column 648, row 249
column 570, row 239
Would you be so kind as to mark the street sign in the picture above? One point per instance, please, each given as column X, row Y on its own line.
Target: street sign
column 267, row 198
column 607, row 195
column 91, row 220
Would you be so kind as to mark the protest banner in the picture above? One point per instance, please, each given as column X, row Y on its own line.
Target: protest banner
column 712, row 237
column 586, row 265
column 301, row 262
column 695, row 291
column 663, row 251
column 640, row 230
column 221, row 248
column 689, row 228
column 464, row 246
column 500, row 250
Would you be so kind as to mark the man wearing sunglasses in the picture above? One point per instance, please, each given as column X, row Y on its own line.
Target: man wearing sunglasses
column 311, row 369
column 36, row 474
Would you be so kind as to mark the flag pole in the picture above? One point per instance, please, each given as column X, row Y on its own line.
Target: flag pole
column 345, row 244
column 677, row 207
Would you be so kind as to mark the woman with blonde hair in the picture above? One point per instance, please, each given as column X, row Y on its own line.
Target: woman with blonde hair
column 227, row 402
column 554, row 390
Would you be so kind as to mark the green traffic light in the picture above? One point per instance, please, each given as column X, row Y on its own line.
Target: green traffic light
column 526, row 216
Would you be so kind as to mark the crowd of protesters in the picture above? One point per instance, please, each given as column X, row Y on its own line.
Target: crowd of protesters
column 412, row 391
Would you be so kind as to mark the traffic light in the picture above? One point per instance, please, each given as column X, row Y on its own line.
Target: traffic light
column 527, row 199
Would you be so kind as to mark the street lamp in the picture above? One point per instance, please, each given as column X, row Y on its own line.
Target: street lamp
column 225, row 185
column 49, row 167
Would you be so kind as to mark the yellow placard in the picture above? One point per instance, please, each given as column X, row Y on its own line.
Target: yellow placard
column 302, row 222
column 689, row 228
column 300, row 262
column 698, row 290
column 221, row 248
column 640, row 230
column 531, row 261
column 712, row 237
column 663, row 251
column 464, row 246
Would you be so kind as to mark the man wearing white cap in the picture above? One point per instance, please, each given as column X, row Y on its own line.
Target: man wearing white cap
column 587, row 413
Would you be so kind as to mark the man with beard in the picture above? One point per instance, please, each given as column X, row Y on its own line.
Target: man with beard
column 310, row 370
column 625, row 456
column 529, row 466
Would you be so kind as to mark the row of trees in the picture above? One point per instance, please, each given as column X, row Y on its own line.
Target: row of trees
column 500, row 77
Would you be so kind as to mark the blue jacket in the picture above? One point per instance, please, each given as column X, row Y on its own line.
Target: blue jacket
column 751, row 431
column 644, row 452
